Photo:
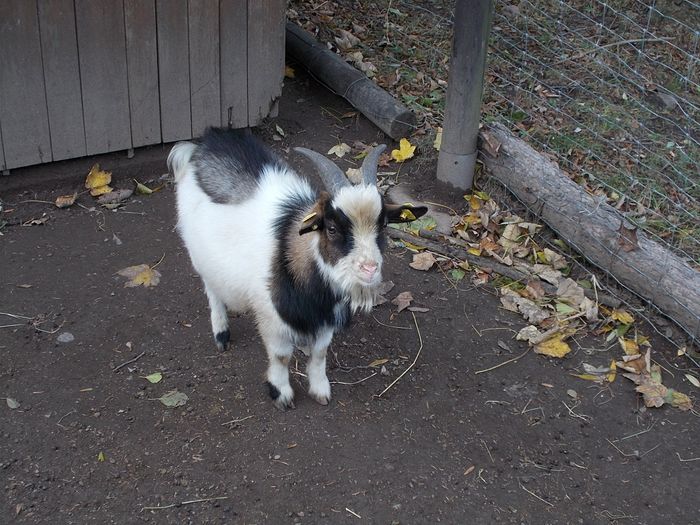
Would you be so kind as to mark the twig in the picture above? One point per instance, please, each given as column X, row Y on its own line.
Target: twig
column 503, row 363
column 238, row 420
column 36, row 327
column 184, row 503
column 12, row 325
column 686, row 460
column 638, row 433
column 487, row 450
column 390, row 326
column 156, row 264
column 420, row 338
column 353, row 513
column 535, row 495
column 353, row 382
column 582, row 417
column 65, row 416
column 16, row 316
column 635, row 454
column 129, row 361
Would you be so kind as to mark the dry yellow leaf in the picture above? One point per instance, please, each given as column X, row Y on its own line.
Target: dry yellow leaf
column 100, row 190
column 554, row 347
column 404, row 152
column 622, row 316
column 587, row 377
column 613, row 372
column 140, row 275
column 97, row 178
column 288, row 72
column 438, row 139
column 629, row 346
column 474, row 251
column 474, row 203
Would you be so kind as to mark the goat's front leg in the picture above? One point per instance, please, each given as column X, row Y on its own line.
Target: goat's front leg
column 279, row 351
column 319, row 386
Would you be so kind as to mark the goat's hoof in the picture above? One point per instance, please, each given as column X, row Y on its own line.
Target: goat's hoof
column 322, row 393
column 283, row 399
column 222, row 340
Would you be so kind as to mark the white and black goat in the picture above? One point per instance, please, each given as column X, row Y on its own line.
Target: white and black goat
column 264, row 241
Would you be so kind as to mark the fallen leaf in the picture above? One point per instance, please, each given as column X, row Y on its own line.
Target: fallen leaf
column 556, row 260
column 553, row 347
column 404, row 152
column 378, row 362
column 288, row 72
column 570, row 291
column 403, row 300
column 173, row 399
column 115, row 196
column 588, row 377
column 564, row 309
column 628, row 237
column 547, row 273
column 354, row 175
column 622, row 316
column 535, row 289
column 98, row 181
column 140, row 275
column 13, row 404
column 64, row 201
column 629, row 346
column 101, row 456
column 142, row 189
column 516, row 303
column 530, row 334
column 422, row 261
column 339, row 150
column 693, row 380
column 490, row 144
column 156, row 377
column 510, row 238
column 418, row 309
column 437, row 143
column 457, row 274
column 346, row 40
column 279, row 129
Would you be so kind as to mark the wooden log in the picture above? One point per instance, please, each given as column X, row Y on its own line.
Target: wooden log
column 595, row 229
column 373, row 102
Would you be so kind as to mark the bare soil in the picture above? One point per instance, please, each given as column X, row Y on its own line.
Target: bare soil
column 444, row 444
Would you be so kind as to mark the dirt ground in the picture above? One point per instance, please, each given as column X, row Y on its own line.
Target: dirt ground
column 89, row 444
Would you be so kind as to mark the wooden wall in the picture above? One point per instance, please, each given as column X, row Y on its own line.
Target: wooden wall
column 82, row 77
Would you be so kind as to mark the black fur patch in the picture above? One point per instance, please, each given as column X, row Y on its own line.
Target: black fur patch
column 307, row 304
column 222, row 339
column 228, row 163
column 273, row 390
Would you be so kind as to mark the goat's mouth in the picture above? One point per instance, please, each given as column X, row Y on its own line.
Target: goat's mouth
column 369, row 278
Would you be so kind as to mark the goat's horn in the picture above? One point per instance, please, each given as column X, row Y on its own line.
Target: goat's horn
column 370, row 164
column 332, row 176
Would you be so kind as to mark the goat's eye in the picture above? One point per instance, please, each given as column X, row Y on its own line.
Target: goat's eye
column 331, row 230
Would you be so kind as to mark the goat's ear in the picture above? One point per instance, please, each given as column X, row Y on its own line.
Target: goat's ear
column 404, row 212
column 314, row 220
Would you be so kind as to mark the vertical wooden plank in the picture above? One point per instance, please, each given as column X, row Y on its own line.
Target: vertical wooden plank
column 3, row 166
column 59, row 46
column 23, row 115
column 174, row 71
column 204, row 64
column 102, row 52
column 233, row 22
column 142, row 66
column 266, row 21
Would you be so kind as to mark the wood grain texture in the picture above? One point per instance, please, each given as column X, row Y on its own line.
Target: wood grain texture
column 23, row 113
column 174, row 71
column 142, row 65
column 103, row 75
column 266, row 31
column 233, row 22
column 204, row 64
column 59, row 44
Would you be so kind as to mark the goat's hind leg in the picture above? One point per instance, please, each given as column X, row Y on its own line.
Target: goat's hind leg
column 219, row 320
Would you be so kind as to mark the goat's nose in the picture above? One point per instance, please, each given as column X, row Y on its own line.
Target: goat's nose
column 369, row 268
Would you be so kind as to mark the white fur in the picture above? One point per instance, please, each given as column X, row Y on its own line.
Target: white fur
column 232, row 248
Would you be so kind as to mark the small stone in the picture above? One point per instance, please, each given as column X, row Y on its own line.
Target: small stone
column 65, row 337
column 276, row 457
column 384, row 371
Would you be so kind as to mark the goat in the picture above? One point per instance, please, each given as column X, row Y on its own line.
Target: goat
column 263, row 240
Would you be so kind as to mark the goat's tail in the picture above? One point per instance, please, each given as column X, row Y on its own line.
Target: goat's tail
column 179, row 159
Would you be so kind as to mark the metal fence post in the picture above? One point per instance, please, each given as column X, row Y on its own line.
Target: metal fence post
column 457, row 157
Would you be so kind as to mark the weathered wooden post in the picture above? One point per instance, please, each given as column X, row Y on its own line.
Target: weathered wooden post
column 457, row 157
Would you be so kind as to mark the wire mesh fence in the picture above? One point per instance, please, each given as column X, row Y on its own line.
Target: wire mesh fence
column 610, row 90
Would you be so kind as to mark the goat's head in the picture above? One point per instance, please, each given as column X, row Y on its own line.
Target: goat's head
column 349, row 221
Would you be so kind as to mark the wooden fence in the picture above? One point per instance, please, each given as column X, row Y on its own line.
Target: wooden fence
column 83, row 77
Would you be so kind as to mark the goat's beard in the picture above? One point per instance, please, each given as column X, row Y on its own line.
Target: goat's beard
column 348, row 283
